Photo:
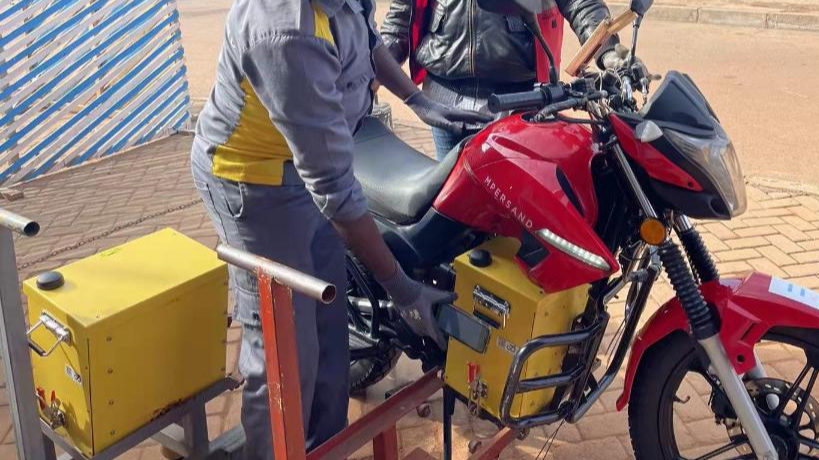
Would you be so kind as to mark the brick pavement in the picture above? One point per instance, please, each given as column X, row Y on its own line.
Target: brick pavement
column 111, row 201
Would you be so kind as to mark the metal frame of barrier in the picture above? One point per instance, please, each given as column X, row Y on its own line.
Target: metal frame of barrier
column 81, row 79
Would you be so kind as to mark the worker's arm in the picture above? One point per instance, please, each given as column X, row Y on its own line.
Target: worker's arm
column 295, row 78
column 395, row 29
column 295, row 75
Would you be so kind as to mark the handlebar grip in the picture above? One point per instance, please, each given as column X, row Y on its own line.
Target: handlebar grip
column 516, row 101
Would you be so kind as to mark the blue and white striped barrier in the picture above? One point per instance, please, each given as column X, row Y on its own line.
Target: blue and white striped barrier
column 81, row 79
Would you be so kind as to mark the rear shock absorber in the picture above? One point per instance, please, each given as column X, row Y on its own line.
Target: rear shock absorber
column 701, row 261
column 703, row 322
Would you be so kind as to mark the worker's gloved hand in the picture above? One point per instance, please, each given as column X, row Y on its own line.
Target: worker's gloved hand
column 441, row 116
column 415, row 302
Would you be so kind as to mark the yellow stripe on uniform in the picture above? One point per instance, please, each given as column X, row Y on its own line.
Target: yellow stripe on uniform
column 256, row 151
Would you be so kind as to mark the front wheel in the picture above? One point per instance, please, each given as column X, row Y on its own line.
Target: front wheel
column 678, row 410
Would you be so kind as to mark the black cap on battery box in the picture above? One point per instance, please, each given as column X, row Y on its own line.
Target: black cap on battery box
column 480, row 258
column 48, row 281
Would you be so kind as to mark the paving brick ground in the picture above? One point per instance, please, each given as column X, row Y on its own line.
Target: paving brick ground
column 109, row 202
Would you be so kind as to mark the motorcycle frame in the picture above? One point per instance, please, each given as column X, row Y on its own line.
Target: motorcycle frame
column 585, row 340
column 579, row 382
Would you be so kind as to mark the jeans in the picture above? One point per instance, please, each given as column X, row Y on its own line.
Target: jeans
column 282, row 223
column 445, row 141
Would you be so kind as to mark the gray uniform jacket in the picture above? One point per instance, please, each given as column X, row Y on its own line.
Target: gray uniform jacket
column 314, row 85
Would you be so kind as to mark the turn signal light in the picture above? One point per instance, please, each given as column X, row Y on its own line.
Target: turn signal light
column 652, row 231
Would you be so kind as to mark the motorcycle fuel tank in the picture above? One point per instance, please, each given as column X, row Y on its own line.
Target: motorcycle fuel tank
column 521, row 179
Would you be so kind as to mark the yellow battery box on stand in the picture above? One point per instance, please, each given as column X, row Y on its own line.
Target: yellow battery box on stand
column 123, row 335
column 497, row 311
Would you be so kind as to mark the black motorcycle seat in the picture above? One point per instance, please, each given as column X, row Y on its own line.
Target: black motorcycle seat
column 399, row 182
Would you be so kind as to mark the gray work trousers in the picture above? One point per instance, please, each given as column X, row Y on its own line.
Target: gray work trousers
column 283, row 224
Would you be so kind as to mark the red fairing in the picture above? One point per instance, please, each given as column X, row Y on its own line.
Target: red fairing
column 507, row 181
column 655, row 163
column 748, row 307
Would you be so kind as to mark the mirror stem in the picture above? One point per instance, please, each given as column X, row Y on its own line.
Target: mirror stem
column 530, row 20
column 633, row 56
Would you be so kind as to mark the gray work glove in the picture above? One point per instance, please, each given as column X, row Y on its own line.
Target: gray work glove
column 441, row 116
column 415, row 302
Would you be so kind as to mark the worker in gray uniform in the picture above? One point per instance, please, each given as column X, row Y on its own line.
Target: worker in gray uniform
column 272, row 160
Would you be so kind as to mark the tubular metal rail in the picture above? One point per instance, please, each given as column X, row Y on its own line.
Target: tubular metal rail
column 31, row 444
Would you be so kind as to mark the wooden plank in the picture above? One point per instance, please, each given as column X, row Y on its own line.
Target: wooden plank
column 588, row 49
column 602, row 33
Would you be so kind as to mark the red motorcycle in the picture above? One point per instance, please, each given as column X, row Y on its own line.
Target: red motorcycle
column 591, row 204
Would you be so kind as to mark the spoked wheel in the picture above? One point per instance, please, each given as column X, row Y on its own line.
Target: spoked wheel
column 679, row 410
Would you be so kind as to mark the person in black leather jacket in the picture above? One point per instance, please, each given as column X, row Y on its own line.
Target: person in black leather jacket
column 470, row 53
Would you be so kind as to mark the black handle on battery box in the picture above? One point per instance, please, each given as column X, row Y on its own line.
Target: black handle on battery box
column 36, row 348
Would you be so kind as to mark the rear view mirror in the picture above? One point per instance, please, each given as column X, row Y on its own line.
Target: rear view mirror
column 514, row 7
column 641, row 6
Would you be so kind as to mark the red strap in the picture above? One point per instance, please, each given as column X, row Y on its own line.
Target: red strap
column 421, row 12
column 551, row 22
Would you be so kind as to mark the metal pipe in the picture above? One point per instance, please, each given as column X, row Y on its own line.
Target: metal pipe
column 634, row 264
column 18, row 223
column 292, row 278
column 645, row 203
column 16, row 357
column 682, row 222
column 740, row 399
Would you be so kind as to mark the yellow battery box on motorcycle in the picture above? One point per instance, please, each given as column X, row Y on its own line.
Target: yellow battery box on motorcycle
column 125, row 334
column 497, row 311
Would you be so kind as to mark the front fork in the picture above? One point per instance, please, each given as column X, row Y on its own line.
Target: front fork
column 704, row 323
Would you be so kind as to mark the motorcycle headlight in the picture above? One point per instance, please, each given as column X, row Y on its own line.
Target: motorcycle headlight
column 716, row 157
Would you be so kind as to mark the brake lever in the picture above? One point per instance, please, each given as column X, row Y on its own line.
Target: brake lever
column 570, row 103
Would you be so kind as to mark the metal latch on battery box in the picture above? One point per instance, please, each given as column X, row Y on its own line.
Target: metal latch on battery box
column 491, row 302
column 477, row 389
column 60, row 332
column 53, row 415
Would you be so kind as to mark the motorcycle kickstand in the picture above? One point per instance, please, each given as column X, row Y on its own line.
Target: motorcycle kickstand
column 449, row 409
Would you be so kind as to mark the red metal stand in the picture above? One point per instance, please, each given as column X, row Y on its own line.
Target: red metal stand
column 278, row 329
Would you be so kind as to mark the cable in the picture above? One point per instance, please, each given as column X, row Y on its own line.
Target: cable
column 548, row 445
column 530, row 21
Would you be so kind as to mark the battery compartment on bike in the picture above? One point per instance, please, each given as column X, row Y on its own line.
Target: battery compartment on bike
column 499, row 296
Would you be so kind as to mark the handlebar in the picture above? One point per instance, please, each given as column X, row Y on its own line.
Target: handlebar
column 516, row 101
column 540, row 96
